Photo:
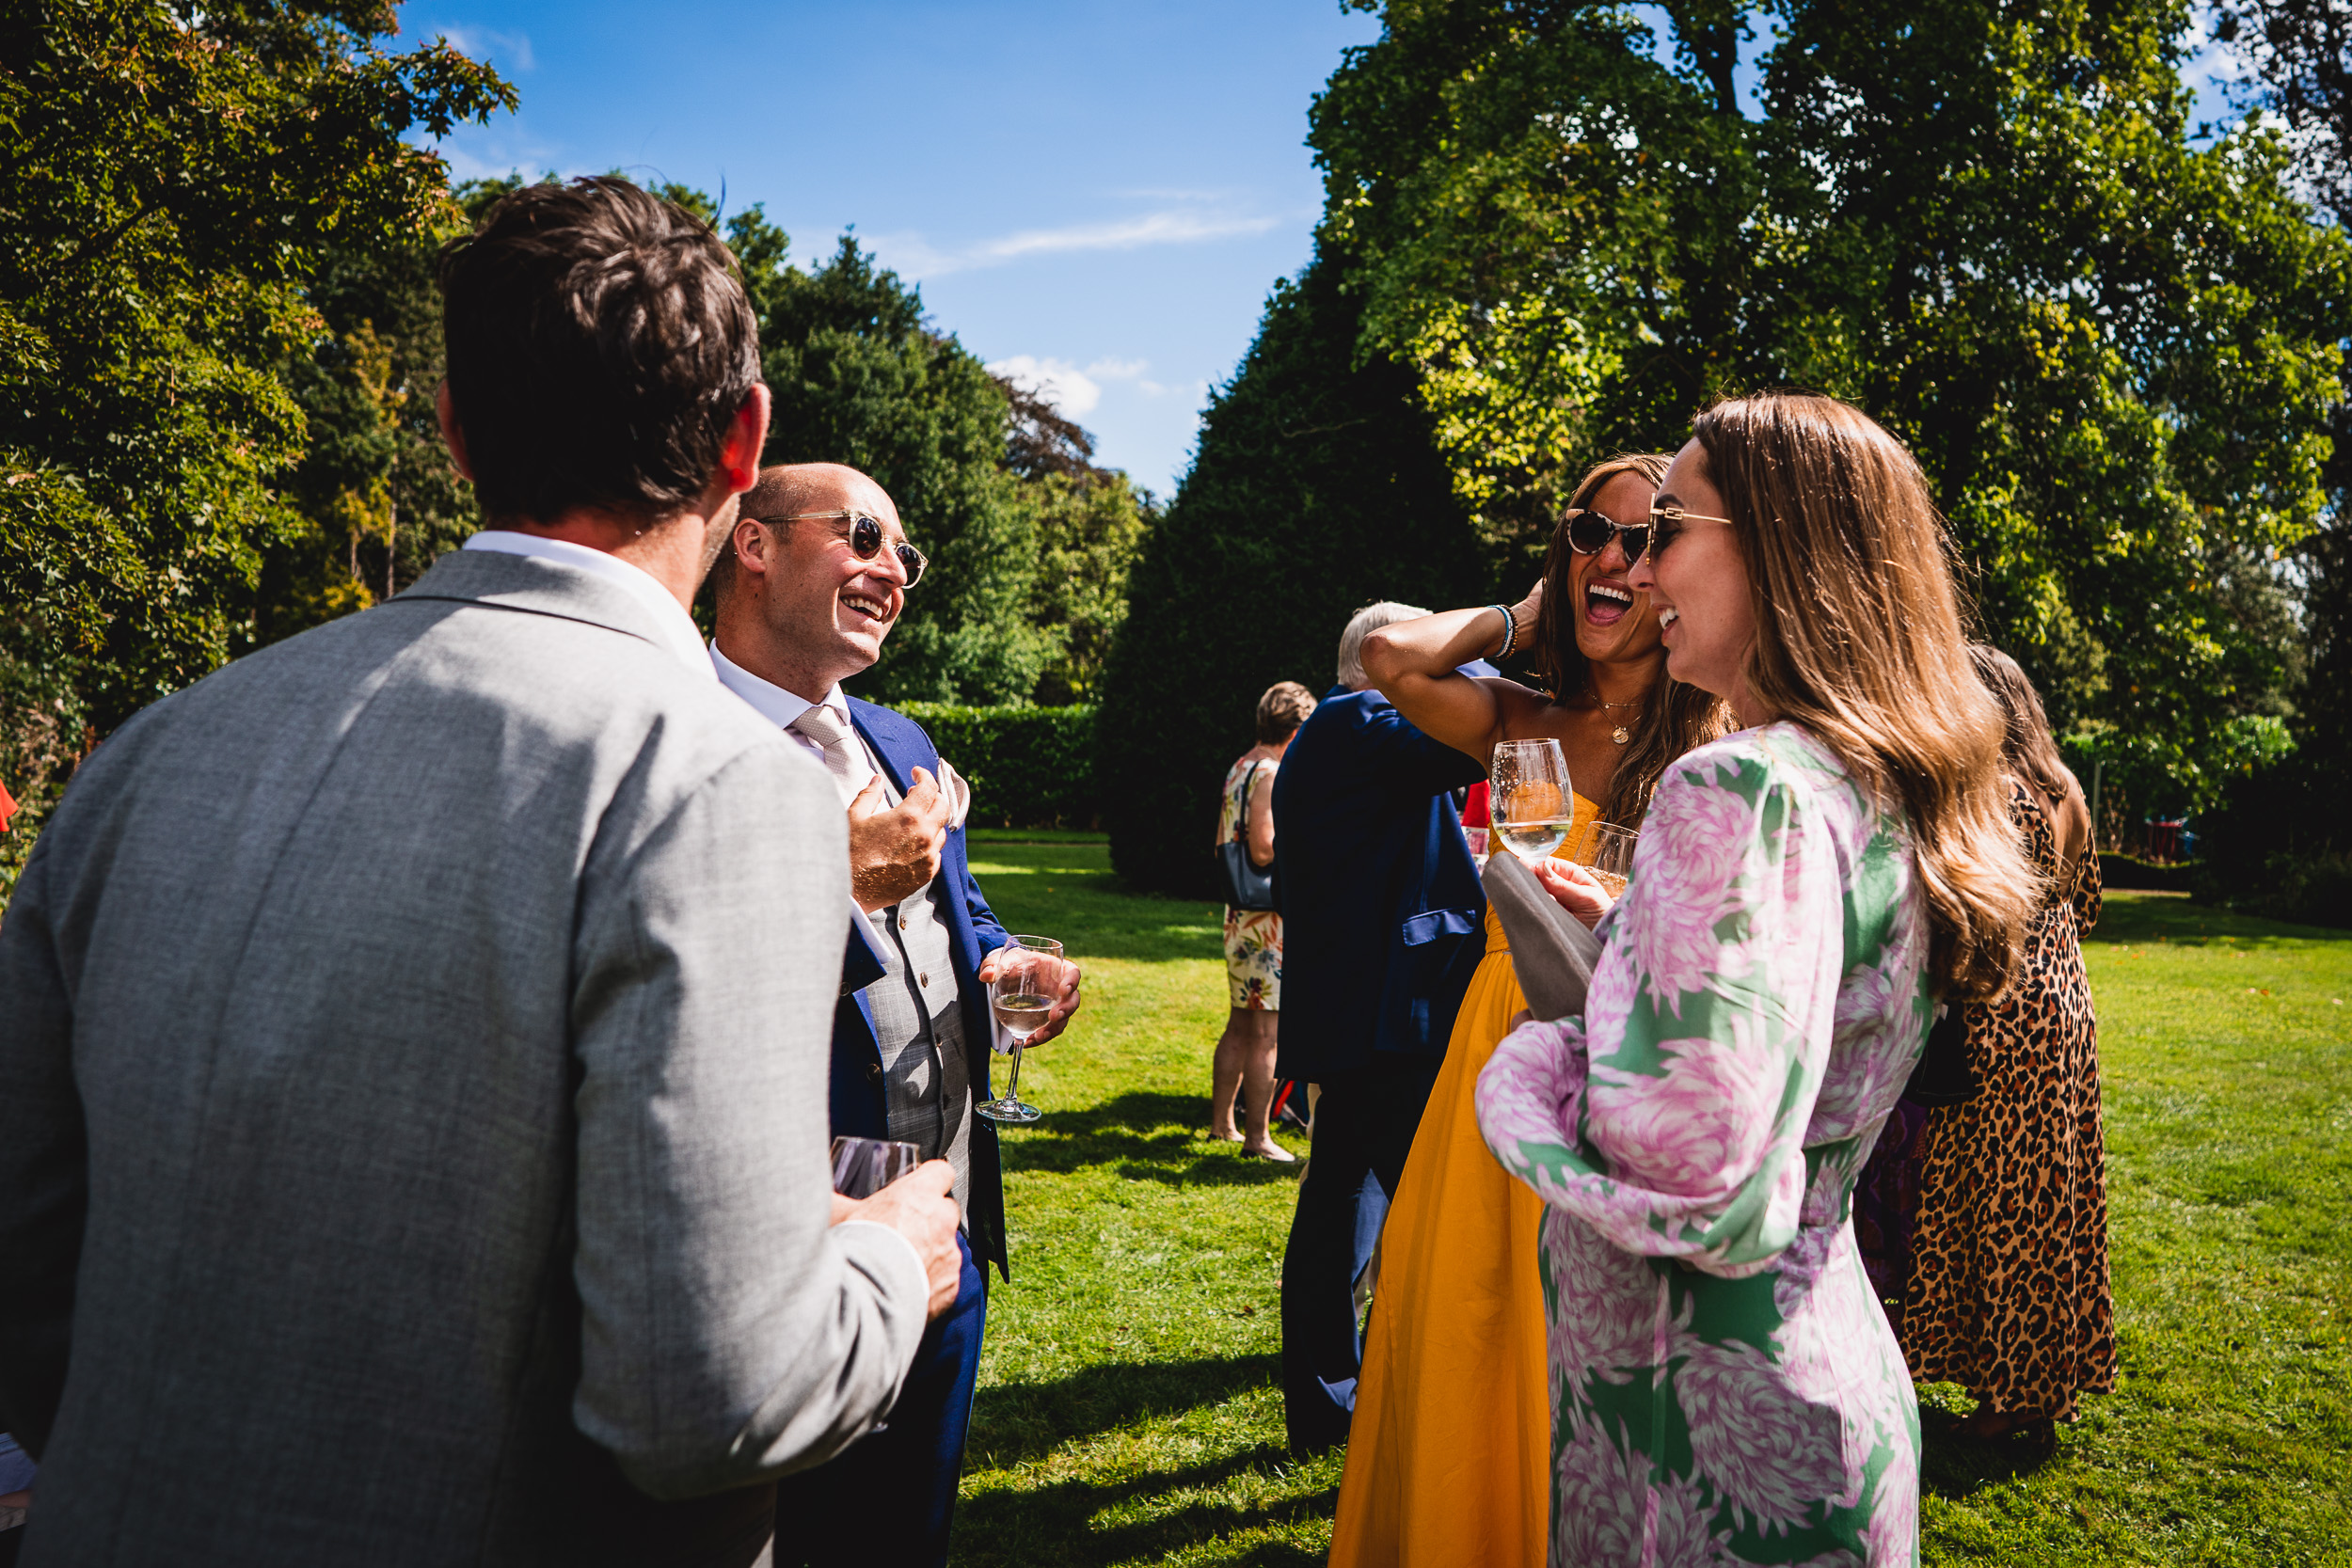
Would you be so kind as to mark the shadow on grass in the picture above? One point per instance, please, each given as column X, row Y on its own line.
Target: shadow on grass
column 1070, row 891
column 1015, row 1423
column 1057, row 1523
column 2127, row 919
column 1953, row 1466
column 1146, row 1137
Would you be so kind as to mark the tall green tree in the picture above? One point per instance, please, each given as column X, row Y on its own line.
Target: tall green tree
column 373, row 499
column 2114, row 350
column 2284, row 842
column 169, row 176
column 1091, row 523
column 1318, row 488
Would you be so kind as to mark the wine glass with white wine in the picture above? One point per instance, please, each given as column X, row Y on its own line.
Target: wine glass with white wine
column 1029, row 975
column 1607, row 853
column 1528, row 796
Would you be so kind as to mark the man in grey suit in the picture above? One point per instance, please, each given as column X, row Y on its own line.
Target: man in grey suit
column 413, row 1036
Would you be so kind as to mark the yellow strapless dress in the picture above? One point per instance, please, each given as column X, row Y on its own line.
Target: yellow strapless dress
column 1449, row 1450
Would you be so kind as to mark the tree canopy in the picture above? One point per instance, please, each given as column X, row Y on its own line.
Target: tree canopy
column 172, row 175
column 2115, row 351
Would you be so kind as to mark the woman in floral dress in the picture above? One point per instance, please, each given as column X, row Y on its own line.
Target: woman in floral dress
column 1244, row 1062
column 1725, row 1387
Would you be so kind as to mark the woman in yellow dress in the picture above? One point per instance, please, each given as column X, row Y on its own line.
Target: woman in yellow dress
column 1448, row 1452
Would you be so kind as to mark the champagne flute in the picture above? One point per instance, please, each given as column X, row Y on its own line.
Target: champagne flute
column 1029, row 975
column 1532, row 804
column 1607, row 853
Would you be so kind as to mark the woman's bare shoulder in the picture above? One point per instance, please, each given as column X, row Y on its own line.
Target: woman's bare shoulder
column 1527, row 713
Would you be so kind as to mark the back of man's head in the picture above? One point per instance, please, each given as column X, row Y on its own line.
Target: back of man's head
column 599, row 344
column 1362, row 624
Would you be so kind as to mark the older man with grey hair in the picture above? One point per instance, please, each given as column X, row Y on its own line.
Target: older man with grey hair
column 1382, row 924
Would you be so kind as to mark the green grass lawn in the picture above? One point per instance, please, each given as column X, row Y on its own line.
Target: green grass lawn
column 1129, row 1409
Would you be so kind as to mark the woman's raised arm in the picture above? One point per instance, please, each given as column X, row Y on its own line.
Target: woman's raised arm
column 1413, row 664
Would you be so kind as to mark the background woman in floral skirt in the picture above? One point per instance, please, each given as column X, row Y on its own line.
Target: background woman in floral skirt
column 1253, row 938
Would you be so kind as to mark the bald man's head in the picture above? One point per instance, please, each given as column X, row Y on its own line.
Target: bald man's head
column 784, row 490
column 797, row 605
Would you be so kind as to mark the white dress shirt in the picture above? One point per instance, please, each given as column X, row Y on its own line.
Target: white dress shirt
column 678, row 628
column 781, row 707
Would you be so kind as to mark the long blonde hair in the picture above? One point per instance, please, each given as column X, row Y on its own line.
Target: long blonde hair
column 1859, row 639
column 1681, row 716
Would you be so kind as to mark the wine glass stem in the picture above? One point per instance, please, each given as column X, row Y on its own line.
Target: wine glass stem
column 1013, row 1078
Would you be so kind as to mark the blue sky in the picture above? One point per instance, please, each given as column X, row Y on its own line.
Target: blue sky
column 1100, row 194
column 1092, row 194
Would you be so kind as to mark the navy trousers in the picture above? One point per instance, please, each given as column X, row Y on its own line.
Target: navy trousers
column 889, row 1496
column 1364, row 1125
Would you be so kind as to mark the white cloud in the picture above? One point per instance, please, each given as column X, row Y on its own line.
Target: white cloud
column 493, row 151
column 483, row 43
column 1118, row 370
column 1062, row 384
column 916, row 257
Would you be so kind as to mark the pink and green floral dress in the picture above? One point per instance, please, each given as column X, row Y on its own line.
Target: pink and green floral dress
column 1725, row 1387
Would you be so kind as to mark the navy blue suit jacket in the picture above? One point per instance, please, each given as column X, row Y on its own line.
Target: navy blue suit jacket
column 859, row 1109
column 1383, row 915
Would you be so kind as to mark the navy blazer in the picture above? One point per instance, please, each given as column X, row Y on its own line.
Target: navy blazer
column 1383, row 915
column 859, row 1108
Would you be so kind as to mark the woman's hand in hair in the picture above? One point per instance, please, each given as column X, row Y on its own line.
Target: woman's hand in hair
column 1527, row 609
column 1575, row 890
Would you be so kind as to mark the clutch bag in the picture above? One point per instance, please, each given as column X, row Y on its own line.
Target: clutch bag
column 1550, row 950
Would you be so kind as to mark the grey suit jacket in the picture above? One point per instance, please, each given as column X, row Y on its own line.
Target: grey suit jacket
column 413, row 1052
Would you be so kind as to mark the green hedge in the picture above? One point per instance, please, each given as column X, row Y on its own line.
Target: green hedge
column 1028, row 766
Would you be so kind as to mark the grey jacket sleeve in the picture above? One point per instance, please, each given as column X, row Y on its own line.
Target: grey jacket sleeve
column 44, row 1172
column 728, row 1331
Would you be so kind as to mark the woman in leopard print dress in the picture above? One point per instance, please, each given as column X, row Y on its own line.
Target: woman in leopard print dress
column 2008, row 1293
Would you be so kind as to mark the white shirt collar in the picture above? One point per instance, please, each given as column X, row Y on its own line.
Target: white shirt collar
column 678, row 628
column 772, row 701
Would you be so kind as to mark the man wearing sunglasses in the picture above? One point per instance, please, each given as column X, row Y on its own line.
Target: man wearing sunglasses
column 810, row 584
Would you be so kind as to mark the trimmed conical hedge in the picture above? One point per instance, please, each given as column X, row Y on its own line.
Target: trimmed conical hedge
column 1316, row 489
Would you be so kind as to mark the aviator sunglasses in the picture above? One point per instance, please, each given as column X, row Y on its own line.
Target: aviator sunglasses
column 866, row 538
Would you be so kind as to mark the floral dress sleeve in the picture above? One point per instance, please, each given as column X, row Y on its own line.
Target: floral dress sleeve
column 1670, row 1117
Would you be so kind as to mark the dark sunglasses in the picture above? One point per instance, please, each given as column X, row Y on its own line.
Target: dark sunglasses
column 1589, row 533
column 866, row 538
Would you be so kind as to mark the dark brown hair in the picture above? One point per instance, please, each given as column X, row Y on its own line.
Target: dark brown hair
column 1285, row 705
column 599, row 347
column 1680, row 717
column 2026, row 745
column 1859, row 641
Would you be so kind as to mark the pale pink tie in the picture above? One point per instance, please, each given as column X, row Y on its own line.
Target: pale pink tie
column 843, row 758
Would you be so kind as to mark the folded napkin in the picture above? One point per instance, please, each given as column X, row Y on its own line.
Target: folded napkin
column 1550, row 949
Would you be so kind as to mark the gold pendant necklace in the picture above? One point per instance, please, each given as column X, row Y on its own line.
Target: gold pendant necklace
column 1621, row 735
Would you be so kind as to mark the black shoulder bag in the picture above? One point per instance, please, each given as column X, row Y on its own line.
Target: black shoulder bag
column 1247, row 886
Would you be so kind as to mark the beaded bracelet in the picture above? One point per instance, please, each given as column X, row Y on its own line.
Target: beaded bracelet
column 1510, row 629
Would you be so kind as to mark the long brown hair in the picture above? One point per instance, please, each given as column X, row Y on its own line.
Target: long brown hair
column 2026, row 742
column 1859, row 639
column 1680, row 717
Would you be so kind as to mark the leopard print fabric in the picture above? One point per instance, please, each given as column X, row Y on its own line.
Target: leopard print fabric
column 2009, row 1291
